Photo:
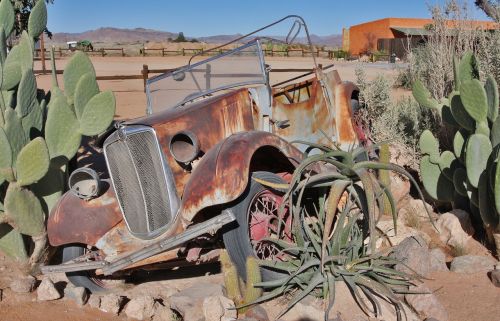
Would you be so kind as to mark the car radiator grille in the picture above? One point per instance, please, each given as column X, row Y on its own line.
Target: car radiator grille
column 136, row 169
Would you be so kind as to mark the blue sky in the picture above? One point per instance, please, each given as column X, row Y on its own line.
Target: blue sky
column 198, row 18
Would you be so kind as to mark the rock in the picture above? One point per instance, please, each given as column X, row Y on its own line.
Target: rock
column 163, row 313
column 78, row 294
column 189, row 302
column 94, row 301
column 495, row 278
column 257, row 312
column 140, row 308
column 472, row 264
column 159, row 290
column 403, row 232
column 431, row 319
column 464, row 219
column 413, row 252
column 111, row 303
column 450, row 230
column 438, row 260
column 426, row 305
column 47, row 291
column 303, row 311
column 400, row 187
column 23, row 285
column 217, row 307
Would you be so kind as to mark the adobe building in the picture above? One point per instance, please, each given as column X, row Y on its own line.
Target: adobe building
column 391, row 35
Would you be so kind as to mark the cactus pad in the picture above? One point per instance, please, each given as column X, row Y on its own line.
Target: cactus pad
column 491, row 89
column 24, row 211
column 477, row 152
column 7, row 17
column 33, row 122
column 11, row 242
column 78, row 65
column 98, row 114
column 487, row 208
column 423, row 96
column 26, row 93
column 428, row 143
column 32, row 162
column 461, row 116
column 448, row 164
column 474, row 99
column 38, row 19
column 86, row 88
column 15, row 132
column 468, row 68
column 5, row 150
column 460, row 181
column 435, row 182
column 459, row 144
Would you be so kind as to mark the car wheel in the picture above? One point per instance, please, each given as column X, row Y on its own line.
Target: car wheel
column 88, row 279
column 258, row 218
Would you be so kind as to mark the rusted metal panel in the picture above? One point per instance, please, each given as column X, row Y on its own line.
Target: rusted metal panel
column 211, row 120
column 74, row 220
column 222, row 174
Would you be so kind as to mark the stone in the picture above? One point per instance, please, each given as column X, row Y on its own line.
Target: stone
column 464, row 219
column 159, row 290
column 94, row 301
column 79, row 295
column 472, row 264
column 189, row 302
column 400, row 187
column 303, row 311
column 163, row 313
column 450, row 230
column 23, row 285
column 257, row 312
column 47, row 291
column 427, row 305
column 414, row 255
column 438, row 260
column 111, row 303
column 403, row 232
column 140, row 308
column 217, row 307
column 495, row 278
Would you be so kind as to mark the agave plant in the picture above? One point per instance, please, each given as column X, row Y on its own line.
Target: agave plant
column 335, row 240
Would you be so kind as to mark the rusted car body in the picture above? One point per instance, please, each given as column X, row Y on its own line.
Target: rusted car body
column 187, row 162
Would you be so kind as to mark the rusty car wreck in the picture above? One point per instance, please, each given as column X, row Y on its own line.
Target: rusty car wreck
column 180, row 178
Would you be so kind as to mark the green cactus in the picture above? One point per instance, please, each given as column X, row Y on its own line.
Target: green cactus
column 77, row 67
column 38, row 20
column 32, row 162
column 23, row 211
column 423, row 96
column 12, row 243
column 474, row 164
column 231, row 278
column 98, row 114
column 86, row 88
column 252, row 293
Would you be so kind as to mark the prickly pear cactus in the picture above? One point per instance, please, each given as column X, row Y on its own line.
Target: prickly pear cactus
column 37, row 136
column 471, row 170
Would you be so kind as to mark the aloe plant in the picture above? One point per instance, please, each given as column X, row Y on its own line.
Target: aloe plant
column 335, row 242
column 40, row 133
column 469, row 173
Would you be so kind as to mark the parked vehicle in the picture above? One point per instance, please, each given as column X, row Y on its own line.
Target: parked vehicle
column 183, row 177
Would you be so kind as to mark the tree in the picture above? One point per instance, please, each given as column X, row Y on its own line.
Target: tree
column 490, row 7
column 180, row 37
column 23, row 8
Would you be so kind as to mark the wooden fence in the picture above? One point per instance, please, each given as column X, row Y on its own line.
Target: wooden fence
column 62, row 52
column 146, row 72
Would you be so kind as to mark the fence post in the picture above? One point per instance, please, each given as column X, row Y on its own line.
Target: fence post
column 123, row 53
column 145, row 75
column 183, row 53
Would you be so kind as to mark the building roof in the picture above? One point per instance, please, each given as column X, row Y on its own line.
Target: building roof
column 412, row 31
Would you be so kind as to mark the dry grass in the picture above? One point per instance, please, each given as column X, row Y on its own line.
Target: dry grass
column 458, row 250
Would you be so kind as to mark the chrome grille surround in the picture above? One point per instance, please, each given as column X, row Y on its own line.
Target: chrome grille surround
column 142, row 180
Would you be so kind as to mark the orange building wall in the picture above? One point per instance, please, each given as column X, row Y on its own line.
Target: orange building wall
column 363, row 37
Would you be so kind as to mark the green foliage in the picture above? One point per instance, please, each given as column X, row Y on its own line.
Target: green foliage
column 475, row 171
column 384, row 176
column 335, row 241
column 36, row 144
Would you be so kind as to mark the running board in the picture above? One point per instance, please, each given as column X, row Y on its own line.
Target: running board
column 210, row 226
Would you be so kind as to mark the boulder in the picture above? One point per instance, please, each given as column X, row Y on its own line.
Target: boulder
column 450, row 230
column 257, row 312
column 78, row 294
column 140, row 308
column 403, row 232
column 189, row 302
column 163, row 313
column 47, row 291
column 304, row 311
column 427, row 305
column 495, row 278
column 400, row 187
column 94, row 301
column 217, row 307
column 464, row 219
column 111, row 303
column 438, row 260
column 414, row 255
column 23, row 285
column 472, row 264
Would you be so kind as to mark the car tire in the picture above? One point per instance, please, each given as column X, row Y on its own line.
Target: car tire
column 86, row 279
column 238, row 237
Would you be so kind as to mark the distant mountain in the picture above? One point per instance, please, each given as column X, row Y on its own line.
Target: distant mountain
column 110, row 34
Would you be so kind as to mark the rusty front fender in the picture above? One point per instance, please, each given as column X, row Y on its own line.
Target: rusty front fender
column 74, row 220
column 222, row 174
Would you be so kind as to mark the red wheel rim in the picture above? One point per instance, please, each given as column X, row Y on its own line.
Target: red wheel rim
column 266, row 221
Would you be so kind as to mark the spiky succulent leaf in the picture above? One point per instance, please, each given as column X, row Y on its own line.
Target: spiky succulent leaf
column 478, row 151
column 474, row 99
column 32, row 162
column 61, row 130
column 468, row 68
column 487, row 208
column 15, row 133
column 78, row 65
column 7, row 17
column 11, row 241
column 460, row 181
column 423, row 96
column 86, row 88
column 98, row 114
column 24, row 211
column 26, row 93
column 435, row 182
column 461, row 116
column 38, row 19
column 429, row 145
column 491, row 88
